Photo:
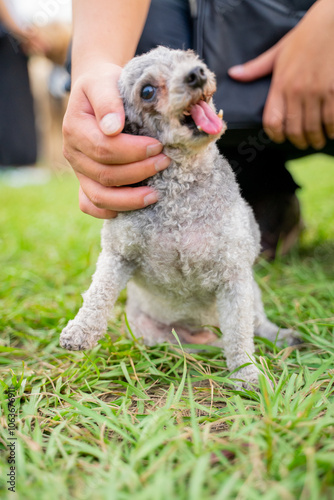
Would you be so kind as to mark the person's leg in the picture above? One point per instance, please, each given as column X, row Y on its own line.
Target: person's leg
column 267, row 185
column 269, row 188
column 18, row 143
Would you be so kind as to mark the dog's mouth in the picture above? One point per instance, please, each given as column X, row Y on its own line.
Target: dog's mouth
column 201, row 118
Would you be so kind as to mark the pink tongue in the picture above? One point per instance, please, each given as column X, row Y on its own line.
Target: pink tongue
column 205, row 118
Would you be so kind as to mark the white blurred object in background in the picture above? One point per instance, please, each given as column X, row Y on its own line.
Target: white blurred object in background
column 40, row 12
column 51, row 21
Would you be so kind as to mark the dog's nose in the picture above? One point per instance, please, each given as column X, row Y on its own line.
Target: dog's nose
column 196, row 77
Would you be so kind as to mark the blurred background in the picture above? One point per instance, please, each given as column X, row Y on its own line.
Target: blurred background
column 34, row 82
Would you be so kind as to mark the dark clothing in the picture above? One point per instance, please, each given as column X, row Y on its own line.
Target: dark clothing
column 232, row 32
column 226, row 33
column 18, row 144
column 169, row 23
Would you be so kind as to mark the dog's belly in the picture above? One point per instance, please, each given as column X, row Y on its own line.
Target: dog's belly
column 176, row 279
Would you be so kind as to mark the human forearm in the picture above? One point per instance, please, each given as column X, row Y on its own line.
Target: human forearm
column 106, row 31
column 105, row 160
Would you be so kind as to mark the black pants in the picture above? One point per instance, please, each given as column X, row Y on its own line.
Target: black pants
column 17, row 122
column 259, row 163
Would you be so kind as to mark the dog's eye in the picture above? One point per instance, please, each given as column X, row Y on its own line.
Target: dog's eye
column 148, row 93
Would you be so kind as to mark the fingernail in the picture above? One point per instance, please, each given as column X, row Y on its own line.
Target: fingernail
column 150, row 198
column 319, row 145
column 111, row 123
column 162, row 163
column 278, row 139
column 154, row 149
column 274, row 136
column 237, row 70
column 269, row 133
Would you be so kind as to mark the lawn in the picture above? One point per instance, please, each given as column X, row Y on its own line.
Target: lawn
column 126, row 421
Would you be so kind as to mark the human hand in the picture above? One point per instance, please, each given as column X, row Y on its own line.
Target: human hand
column 105, row 160
column 300, row 103
column 32, row 42
column 55, row 38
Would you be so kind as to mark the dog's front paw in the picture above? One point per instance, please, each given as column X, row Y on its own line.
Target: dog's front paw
column 249, row 377
column 74, row 337
column 289, row 336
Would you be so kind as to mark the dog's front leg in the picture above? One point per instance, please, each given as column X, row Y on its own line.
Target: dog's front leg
column 235, row 305
column 111, row 276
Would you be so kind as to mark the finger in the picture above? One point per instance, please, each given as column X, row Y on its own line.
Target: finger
column 273, row 116
column 313, row 123
column 117, row 199
column 256, row 68
column 87, row 207
column 294, row 126
column 120, row 175
column 82, row 134
column 328, row 115
column 107, row 103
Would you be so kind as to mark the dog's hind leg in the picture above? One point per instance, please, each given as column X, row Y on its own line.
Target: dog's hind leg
column 142, row 326
column 111, row 276
column 265, row 328
column 154, row 332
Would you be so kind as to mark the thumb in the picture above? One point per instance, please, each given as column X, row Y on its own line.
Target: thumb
column 256, row 68
column 105, row 100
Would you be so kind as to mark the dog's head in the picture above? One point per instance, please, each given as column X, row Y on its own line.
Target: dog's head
column 167, row 94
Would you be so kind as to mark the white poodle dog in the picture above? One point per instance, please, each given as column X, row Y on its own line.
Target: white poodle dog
column 189, row 257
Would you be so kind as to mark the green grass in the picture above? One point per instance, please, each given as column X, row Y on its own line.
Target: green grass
column 126, row 421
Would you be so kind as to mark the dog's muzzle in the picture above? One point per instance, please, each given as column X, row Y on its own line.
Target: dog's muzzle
column 196, row 78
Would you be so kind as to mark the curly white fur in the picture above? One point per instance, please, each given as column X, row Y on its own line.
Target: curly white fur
column 189, row 257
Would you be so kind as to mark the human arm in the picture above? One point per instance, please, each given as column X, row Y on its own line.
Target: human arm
column 300, row 103
column 105, row 36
